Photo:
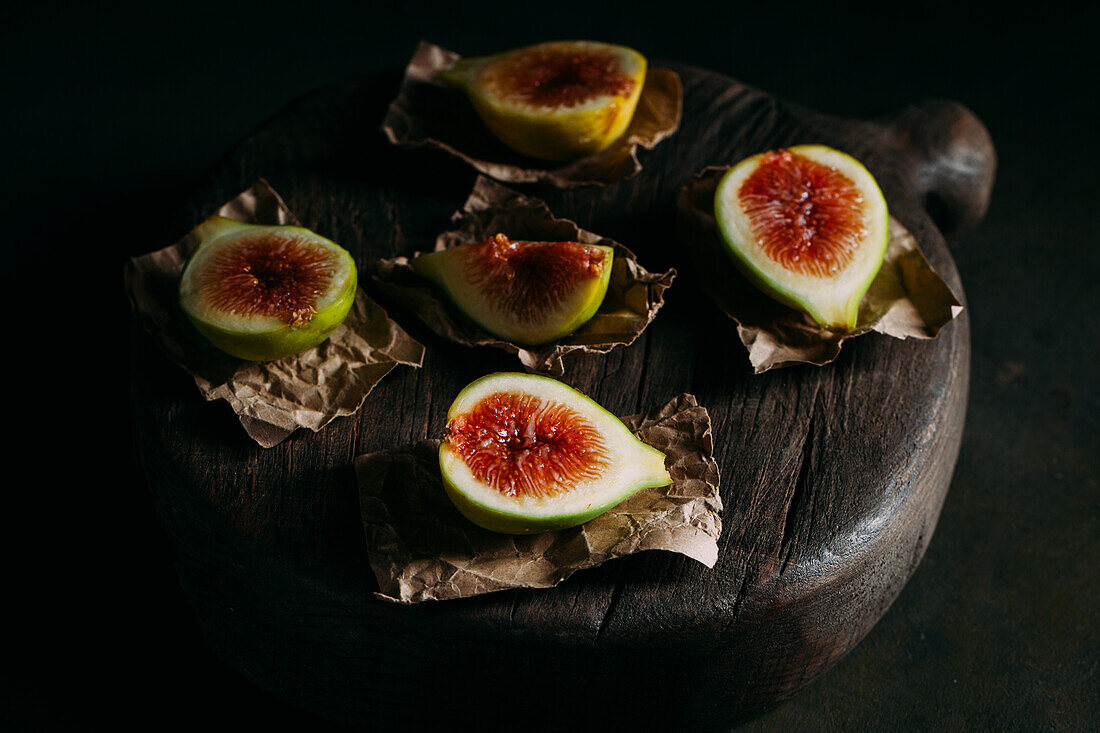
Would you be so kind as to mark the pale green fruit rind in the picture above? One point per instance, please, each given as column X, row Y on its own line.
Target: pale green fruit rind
column 214, row 228
column 447, row 269
column 833, row 304
column 283, row 340
column 551, row 133
column 463, row 72
column 594, row 293
column 643, row 464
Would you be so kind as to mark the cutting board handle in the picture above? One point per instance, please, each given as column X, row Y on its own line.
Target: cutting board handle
column 951, row 158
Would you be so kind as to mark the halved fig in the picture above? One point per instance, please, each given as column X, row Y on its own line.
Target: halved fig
column 265, row 292
column 526, row 292
column 558, row 101
column 525, row 454
column 808, row 225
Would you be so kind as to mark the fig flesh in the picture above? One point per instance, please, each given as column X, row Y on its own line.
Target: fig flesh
column 558, row 101
column 808, row 225
column 525, row 292
column 525, row 454
column 265, row 292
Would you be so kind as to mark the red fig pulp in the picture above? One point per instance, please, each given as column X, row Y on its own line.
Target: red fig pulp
column 522, row 445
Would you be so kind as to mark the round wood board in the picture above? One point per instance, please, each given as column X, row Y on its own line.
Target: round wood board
column 832, row 477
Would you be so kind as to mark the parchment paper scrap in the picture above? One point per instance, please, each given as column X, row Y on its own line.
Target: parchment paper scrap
column 633, row 298
column 428, row 113
column 422, row 549
column 906, row 300
column 271, row 399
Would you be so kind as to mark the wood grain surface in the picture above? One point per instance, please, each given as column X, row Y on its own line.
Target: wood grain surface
column 832, row 477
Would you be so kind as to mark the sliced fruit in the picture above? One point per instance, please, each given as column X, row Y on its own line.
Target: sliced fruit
column 525, row 454
column 808, row 225
column 525, row 292
column 559, row 101
column 265, row 292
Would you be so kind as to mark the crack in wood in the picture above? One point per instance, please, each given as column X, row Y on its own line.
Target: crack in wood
column 801, row 490
column 738, row 600
column 515, row 605
column 616, row 594
column 356, row 430
column 641, row 379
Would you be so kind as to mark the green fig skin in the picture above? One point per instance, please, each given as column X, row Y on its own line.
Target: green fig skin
column 837, row 312
column 283, row 342
column 510, row 523
column 278, row 343
column 561, row 132
column 445, row 269
column 646, row 464
column 775, row 291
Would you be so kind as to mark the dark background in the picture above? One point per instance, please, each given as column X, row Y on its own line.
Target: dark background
column 111, row 117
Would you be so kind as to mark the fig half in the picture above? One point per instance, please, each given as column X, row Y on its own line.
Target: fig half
column 528, row 293
column 808, row 225
column 556, row 101
column 265, row 292
column 525, row 454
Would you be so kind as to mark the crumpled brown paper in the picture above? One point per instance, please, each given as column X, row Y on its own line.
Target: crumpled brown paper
column 907, row 299
column 271, row 399
column 428, row 113
column 634, row 295
column 422, row 549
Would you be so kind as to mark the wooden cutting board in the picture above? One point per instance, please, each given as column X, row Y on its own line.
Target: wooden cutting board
column 832, row 477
